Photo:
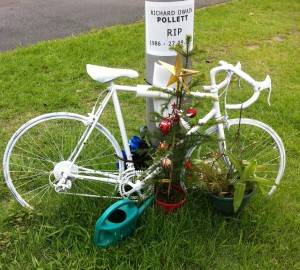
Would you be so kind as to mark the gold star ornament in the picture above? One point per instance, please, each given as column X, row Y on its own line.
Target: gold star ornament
column 178, row 74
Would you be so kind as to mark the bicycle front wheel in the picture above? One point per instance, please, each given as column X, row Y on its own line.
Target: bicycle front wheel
column 248, row 139
column 37, row 148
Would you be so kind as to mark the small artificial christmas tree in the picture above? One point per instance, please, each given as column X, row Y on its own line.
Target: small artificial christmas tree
column 172, row 148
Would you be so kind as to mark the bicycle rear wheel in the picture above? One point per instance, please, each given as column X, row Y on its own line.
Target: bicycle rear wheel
column 248, row 139
column 48, row 140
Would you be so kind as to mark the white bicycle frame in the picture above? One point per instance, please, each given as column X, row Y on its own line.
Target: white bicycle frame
column 143, row 91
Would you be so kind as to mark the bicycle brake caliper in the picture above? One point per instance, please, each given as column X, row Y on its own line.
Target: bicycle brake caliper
column 224, row 120
column 266, row 84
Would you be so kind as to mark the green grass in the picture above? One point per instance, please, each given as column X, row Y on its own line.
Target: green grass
column 51, row 76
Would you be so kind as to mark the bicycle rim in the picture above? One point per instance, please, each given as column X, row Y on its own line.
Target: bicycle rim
column 248, row 139
column 39, row 145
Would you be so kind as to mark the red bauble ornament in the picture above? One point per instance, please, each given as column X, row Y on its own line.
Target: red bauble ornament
column 191, row 112
column 165, row 125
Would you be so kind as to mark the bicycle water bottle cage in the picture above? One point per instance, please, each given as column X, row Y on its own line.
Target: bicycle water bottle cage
column 105, row 74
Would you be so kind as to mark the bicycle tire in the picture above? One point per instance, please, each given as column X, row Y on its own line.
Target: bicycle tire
column 256, row 141
column 41, row 143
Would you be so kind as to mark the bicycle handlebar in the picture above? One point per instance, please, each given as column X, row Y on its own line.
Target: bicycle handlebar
column 213, row 73
column 143, row 91
column 230, row 69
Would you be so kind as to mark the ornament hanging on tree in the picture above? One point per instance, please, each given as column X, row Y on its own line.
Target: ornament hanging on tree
column 174, row 119
column 164, row 145
column 174, row 116
column 178, row 74
column 191, row 112
column 166, row 163
column 165, row 125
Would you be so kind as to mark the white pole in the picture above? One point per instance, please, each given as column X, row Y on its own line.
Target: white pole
column 167, row 22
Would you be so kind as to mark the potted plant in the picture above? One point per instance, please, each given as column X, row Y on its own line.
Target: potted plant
column 169, row 196
column 170, row 150
column 169, row 154
column 228, row 189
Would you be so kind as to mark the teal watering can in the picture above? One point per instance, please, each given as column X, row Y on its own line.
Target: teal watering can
column 118, row 221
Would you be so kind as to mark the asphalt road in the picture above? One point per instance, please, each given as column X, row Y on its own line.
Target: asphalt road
column 30, row 21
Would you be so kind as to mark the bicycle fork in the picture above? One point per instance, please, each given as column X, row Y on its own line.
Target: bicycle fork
column 220, row 122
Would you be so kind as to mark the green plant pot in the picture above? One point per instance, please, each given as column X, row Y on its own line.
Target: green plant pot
column 225, row 205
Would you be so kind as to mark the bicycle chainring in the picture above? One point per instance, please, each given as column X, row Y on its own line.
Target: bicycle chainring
column 131, row 186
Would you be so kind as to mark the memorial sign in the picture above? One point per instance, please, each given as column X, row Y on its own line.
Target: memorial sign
column 167, row 23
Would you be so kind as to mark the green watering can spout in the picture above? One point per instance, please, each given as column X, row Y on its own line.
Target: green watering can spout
column 118, row 221
column 144, row 206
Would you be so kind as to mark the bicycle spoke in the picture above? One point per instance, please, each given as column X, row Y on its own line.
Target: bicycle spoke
column 33, row 154
column 248, row 139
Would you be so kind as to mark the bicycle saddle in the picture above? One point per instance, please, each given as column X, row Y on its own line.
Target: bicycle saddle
column 105, row 74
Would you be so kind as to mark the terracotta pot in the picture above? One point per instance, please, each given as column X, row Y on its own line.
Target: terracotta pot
column 172, row 207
